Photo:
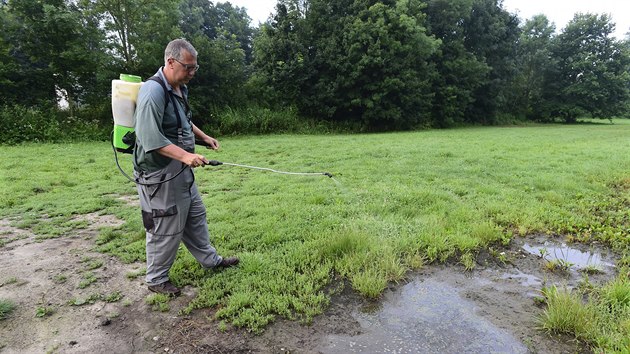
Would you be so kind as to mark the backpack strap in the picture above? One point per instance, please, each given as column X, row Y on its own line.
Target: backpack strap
column 168, row 98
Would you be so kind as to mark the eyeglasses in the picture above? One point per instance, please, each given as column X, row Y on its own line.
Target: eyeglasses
column 188, row 67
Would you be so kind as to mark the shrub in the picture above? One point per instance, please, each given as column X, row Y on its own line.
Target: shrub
column 49, row 124
column 254, row 119
column 20, row 124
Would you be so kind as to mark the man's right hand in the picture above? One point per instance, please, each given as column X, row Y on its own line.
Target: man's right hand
column 195, row 160
column 175, row 152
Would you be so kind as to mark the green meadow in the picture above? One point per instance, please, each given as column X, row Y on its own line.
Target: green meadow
column 397, row 201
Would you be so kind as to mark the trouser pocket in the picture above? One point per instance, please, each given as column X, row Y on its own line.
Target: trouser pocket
column 161, row 214
column 162, row 222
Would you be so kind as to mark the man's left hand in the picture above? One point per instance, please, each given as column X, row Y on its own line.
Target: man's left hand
column 211, row 143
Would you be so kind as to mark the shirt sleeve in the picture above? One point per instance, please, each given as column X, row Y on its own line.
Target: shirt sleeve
column 149, row 117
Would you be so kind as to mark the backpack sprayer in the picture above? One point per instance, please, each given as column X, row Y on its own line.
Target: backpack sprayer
column 124, row 97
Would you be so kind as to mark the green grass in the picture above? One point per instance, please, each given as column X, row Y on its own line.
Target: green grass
column 158, row 302
column 398, row 201
column 93, row 298
column 87, row 279
column 603, row 323
column 113, row 297
column 44, row 311
column 6, row 308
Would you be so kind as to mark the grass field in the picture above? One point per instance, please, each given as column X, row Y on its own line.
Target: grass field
column 397, row 201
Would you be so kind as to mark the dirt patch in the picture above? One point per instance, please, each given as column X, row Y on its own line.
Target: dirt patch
column 47, row 279
column 47, row 276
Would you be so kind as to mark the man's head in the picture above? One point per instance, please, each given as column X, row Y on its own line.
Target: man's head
column 180, row 62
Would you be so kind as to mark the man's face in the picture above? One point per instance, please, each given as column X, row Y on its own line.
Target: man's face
column 184, row 69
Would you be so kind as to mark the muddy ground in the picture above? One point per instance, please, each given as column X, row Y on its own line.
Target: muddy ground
column 44, row 277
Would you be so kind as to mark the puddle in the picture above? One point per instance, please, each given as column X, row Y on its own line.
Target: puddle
column 489, row 310
column 528, row 280
column 570, row 256
column 424, row 317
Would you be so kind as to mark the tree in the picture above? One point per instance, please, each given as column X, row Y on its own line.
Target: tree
column 351, row 60
column 491, row 34
column 459, row 72
column 12, row 77
column 535, row 61
column 591, row 75
column 53, row 49
column 222, row 20
column 222, row 36
column 281, row 54
column 137, row 31
column 386, row 74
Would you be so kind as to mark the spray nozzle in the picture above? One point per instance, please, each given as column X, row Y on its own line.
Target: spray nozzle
column 214, row 163
column 328, row 174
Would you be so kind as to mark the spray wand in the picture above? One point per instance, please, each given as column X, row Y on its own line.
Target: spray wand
column 218, row 163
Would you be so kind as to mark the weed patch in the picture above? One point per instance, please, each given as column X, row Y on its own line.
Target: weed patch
column 159, row 302
column 601, row 322
column 44, row 311
column 6, row 308
column 87, row 301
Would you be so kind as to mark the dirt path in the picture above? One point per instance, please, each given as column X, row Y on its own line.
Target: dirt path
column 46, row 276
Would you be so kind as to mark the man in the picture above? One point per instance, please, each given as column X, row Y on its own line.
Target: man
column 172, row 209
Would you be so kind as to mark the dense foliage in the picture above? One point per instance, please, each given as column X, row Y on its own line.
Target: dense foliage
column 363, row 64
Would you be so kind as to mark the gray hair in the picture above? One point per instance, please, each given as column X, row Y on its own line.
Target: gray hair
column 175, row 47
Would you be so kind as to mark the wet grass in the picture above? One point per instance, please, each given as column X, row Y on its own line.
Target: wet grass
column 602, row 323
column 397, row 201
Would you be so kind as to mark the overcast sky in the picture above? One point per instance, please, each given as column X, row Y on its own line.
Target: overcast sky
column 558, row 11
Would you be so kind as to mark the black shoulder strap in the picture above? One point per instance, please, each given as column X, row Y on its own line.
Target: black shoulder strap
column 168, row 98
column 166, row 95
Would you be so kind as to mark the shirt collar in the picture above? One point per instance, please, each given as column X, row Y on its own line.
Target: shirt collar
column 160, row 73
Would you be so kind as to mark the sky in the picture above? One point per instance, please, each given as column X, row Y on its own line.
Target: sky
column 558, row 11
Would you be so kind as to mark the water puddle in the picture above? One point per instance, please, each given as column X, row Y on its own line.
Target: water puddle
column 527, row 280
column 489, row 310
column 568, row 256
column 424, row 317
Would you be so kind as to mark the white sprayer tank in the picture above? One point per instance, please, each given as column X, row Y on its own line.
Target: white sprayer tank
column 124, row 96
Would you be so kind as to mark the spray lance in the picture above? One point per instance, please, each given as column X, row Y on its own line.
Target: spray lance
column 124, row 97
column 219, row 163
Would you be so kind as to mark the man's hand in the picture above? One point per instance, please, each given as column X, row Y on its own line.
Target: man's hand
column 195, row 160
column 211, row 143
column 175, row 152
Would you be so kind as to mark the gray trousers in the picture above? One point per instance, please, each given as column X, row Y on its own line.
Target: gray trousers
column 173, row 212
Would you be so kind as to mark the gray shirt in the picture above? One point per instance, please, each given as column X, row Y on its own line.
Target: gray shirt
column 156, row 127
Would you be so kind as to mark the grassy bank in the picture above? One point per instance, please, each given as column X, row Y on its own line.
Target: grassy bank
column 397, row 201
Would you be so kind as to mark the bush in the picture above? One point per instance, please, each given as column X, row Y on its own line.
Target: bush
column 20, row 124
column 259, row 120
column 49, row 124
column 87, row 123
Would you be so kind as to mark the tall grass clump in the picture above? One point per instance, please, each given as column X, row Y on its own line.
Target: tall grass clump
column 567, row 314
column 602, row 322
column 6, row 307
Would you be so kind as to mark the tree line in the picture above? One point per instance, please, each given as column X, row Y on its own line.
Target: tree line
column 370, row 65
